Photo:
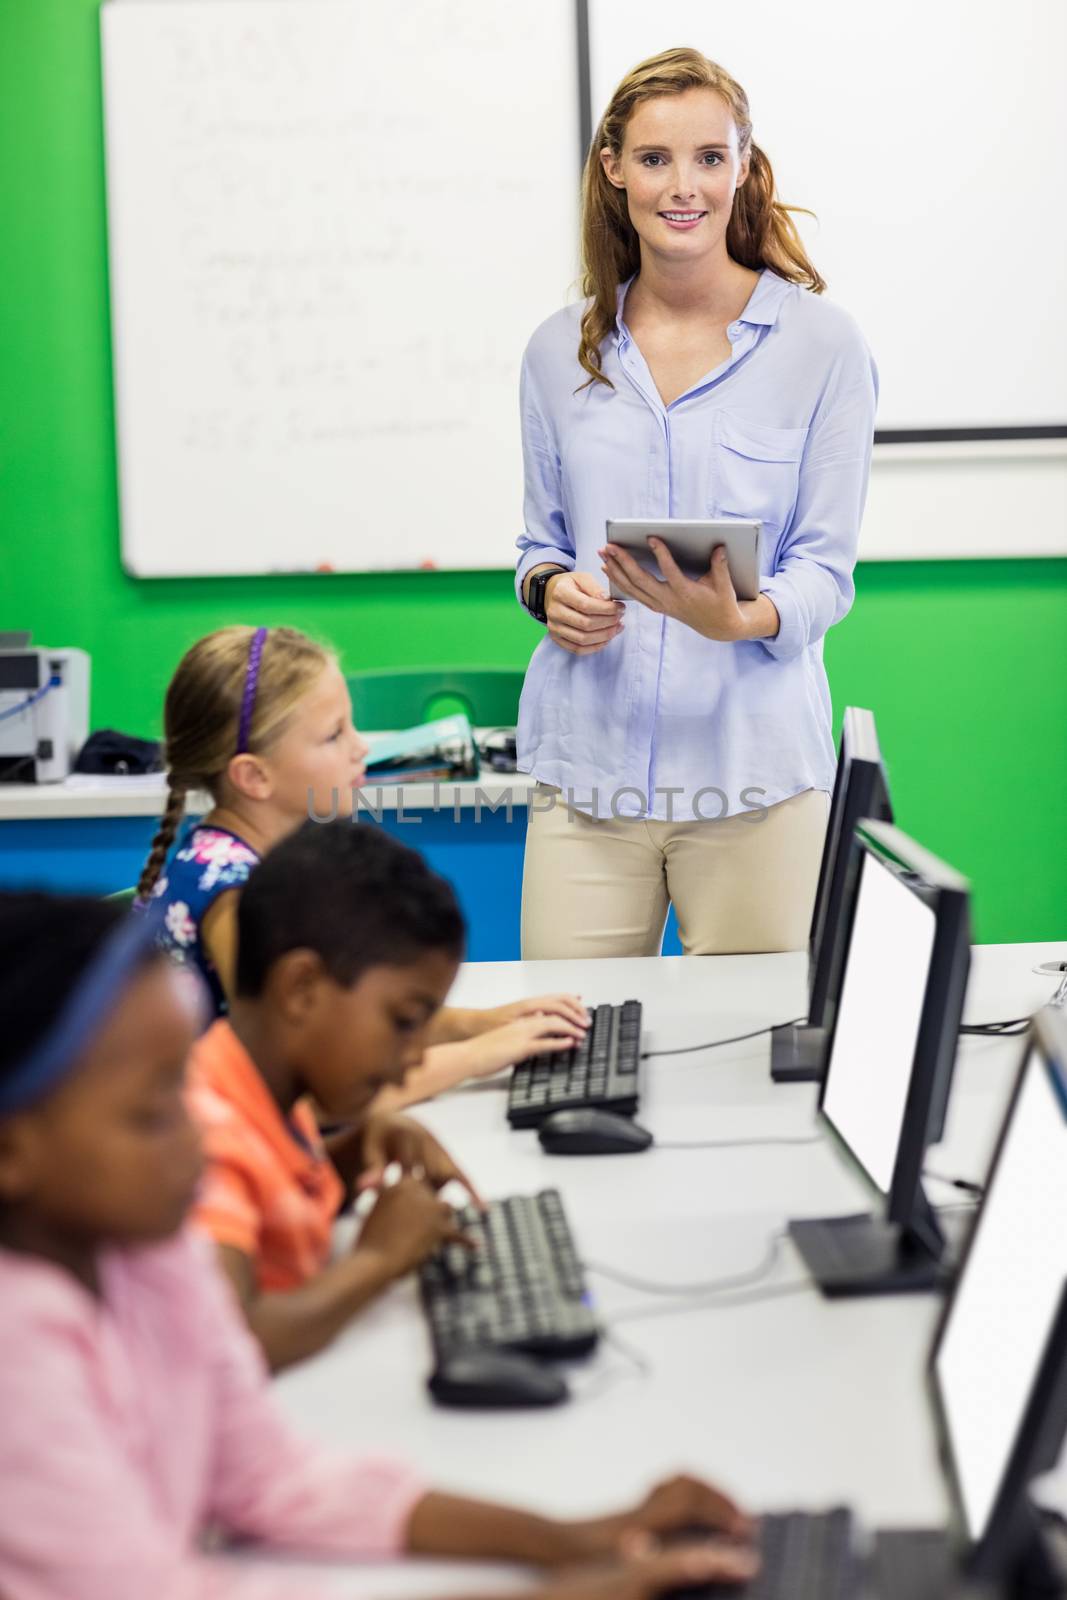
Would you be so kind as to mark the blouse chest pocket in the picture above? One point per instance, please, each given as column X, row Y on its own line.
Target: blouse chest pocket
column 755, row 470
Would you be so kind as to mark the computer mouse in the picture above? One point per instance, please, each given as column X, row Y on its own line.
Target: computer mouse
column 591, row 1133
column 495, row 1378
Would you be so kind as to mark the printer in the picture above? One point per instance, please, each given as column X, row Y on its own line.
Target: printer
column 44, row 710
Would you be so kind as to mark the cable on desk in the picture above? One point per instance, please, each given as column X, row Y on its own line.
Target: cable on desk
column 955, row 1183
column 769, row 1291
column 713, row 1044
column 639, row 1366
column 1004, row 1030
column 737, row 1280
column 735, row 1144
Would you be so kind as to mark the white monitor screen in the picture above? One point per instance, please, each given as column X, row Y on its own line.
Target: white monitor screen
column 878, row 1017
column 1007, row 1297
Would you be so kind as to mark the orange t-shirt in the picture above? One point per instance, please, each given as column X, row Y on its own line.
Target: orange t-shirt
column 270, row 1189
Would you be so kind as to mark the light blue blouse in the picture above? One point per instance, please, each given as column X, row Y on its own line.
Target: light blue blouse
column 663, row 722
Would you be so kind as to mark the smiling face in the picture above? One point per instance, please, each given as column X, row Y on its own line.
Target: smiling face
column 680, row 166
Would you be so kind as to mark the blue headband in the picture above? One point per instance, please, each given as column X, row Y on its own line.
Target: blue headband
column 80, row 1018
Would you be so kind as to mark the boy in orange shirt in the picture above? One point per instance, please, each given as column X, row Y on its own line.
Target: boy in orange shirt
column 347, row 946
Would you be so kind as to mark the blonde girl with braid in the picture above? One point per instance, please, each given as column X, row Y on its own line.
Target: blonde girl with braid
column 261, row 720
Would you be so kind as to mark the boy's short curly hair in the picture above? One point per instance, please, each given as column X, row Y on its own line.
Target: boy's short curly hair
column 350, row 892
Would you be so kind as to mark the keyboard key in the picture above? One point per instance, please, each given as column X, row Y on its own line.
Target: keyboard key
column 804, row 1557
column 524, row 1288
column 601, row 1071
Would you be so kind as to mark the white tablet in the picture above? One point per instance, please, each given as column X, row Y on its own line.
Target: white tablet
column 691, row 544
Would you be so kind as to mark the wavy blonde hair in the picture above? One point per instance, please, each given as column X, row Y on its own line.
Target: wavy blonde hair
column 202, row 711
column 760, row 233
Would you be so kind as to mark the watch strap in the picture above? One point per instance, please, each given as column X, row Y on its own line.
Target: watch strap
column 535, row 604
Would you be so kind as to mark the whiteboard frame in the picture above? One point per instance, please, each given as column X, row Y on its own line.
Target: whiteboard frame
column 892, row 437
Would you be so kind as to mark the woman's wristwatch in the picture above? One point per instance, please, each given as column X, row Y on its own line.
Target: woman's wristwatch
column 535, row 594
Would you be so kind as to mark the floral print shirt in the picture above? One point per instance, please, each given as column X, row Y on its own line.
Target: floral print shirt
column 207, row 863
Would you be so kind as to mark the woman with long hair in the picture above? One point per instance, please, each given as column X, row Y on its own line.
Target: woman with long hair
column 681, row 737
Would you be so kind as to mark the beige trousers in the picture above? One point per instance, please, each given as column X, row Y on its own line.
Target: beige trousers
column 603, row 887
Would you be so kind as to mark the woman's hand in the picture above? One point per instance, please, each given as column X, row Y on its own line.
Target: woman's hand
column 581, row 617
column 709, row 605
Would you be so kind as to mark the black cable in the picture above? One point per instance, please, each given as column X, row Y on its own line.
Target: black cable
column 955, row 1183
column 1004, row 1030
column 713, row 1044
column 737, row 1280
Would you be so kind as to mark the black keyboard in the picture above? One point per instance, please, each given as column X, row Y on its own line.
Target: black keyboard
column 601, row 1071
column 804, row 1557
column 914, row 1564
column 523, row 1289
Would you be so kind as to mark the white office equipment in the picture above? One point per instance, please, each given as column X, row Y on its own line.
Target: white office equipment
column 333, row 227
column 44, row 712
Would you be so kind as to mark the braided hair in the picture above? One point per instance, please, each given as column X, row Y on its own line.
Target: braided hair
column 202, row 712
column 165, row 836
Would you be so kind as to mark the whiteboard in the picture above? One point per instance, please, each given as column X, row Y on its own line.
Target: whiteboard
column 926, row 135
column 333, row 225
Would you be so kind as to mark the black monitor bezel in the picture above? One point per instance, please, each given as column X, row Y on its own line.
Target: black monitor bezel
column 947, row 893
column 861, row 789
column 1010, row 1531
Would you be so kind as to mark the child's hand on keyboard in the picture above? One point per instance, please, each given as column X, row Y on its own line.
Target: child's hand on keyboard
column 566, row 1007
column 658, row 1574
column 682, row 1504
column 389, row 1139
column 527, row 1036
column 408, row 1223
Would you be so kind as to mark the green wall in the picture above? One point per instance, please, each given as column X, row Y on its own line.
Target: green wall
column 965, row 663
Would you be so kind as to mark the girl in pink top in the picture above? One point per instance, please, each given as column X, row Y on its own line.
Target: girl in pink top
column 136, row 1429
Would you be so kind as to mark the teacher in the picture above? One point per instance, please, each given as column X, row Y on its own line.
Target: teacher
column 681, row 740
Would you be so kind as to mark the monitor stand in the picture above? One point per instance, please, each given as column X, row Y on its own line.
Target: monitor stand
column 1038, row 1570
column 865, row 1255
column 1039, row 1575
column 798, row 1053
column 925, row 1564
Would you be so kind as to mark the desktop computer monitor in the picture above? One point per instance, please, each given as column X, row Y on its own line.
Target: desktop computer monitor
column 890, row 1055
column 861, row 789
column 997, row 1373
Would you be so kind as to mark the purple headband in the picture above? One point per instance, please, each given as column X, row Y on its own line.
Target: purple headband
column 248, row 699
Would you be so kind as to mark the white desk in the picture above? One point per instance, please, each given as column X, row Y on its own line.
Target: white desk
column 791, row 1401
column 87, row 795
